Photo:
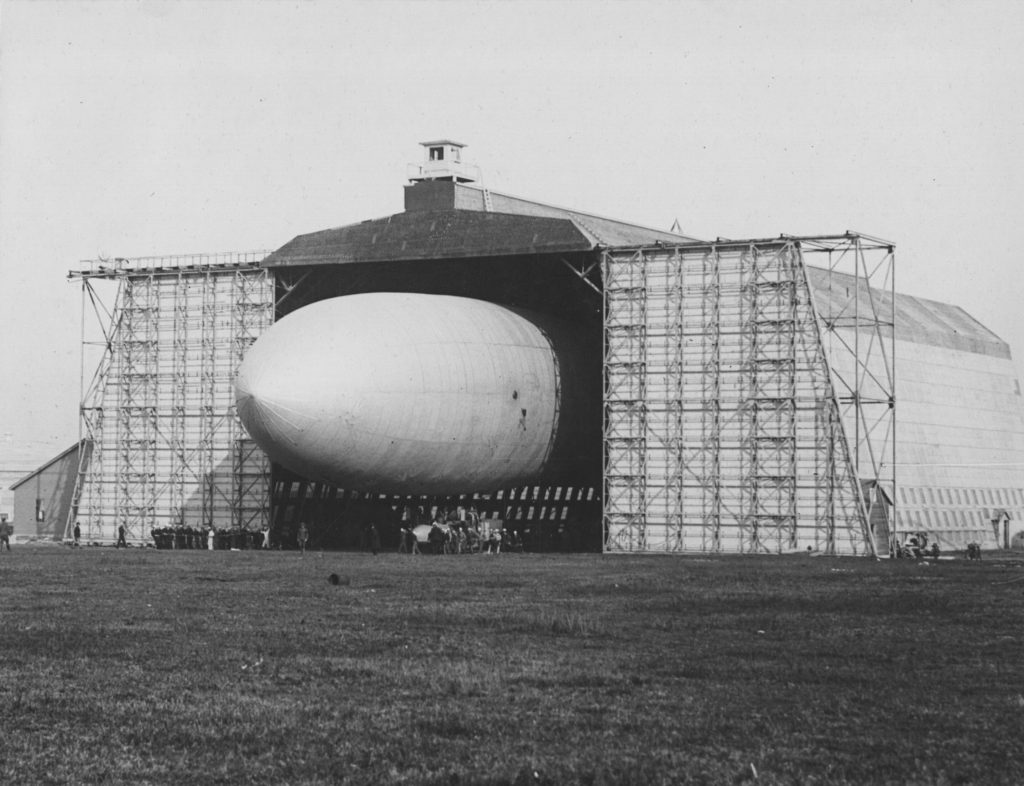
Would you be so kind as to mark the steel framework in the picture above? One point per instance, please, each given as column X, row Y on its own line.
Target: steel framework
column 731, row 422
column 167, row 447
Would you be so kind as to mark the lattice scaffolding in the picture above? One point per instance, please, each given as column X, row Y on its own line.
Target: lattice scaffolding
column 734, row 420
column 168, row 449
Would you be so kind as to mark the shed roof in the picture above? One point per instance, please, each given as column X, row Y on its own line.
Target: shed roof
column 45, row 466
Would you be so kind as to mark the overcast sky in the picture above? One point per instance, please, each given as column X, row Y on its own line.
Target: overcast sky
column 146, row 128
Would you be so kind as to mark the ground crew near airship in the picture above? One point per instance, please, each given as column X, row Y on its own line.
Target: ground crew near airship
column 436, row 536
column 494, row 542
column 303, row 536
column 460, row 540
column 407, row 543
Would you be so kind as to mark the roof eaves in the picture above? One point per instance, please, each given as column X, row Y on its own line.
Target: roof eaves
column 444, row 142
column 588, row 232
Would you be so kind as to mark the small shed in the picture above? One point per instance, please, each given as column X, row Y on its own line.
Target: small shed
column 42, row 499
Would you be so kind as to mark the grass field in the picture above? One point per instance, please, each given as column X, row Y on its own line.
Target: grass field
column 146, row 666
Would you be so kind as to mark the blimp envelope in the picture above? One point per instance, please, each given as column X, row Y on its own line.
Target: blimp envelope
column 405, row 392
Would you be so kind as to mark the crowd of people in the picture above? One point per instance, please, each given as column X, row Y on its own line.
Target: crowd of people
column 413, row 529
column 208, row 538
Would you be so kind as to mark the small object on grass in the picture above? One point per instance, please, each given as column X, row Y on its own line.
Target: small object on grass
column 335, row 579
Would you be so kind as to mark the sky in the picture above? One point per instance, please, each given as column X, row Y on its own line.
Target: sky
column 152, row 128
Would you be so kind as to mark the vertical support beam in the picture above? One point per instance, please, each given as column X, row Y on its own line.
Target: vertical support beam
column 856, row 300
column 625, row 410
column 710, row 465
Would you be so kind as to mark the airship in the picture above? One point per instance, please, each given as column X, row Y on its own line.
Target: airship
column 411, row 393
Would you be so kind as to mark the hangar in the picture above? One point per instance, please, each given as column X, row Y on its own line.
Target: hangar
column 746, row 390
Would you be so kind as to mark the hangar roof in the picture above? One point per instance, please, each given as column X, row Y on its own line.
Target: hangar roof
column 918, row 320
column 445, row 220
column 432, row 234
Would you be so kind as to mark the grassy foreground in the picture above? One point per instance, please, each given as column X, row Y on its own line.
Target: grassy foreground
column 146, row 666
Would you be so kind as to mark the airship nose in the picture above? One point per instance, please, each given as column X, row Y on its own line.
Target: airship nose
column 269, row 401
column 403, row 392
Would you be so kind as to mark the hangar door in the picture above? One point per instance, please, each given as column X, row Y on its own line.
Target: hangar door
column 722, row 431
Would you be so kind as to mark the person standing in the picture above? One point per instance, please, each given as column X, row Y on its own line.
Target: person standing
column 303, row 536
column 374, row 539
column 266, row 536
column 5, row 534
column 436, row 536
column 78, row 535
column 121, row 541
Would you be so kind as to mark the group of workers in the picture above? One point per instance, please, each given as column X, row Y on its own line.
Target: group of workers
column 456, row 537
column 916, row 547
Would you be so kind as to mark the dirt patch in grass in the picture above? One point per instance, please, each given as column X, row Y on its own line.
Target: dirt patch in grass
column 220, row 667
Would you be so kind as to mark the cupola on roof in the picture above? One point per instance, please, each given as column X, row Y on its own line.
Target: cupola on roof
column 443, row 162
